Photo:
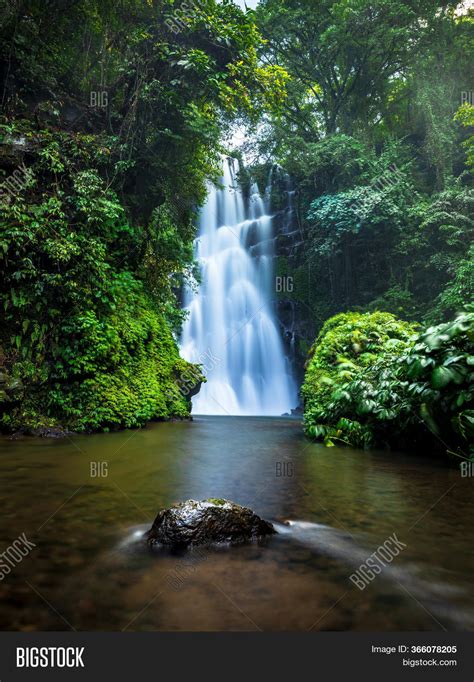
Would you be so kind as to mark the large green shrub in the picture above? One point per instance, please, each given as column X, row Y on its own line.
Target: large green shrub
column 373, row 380
column 438, row 370
column 348, row 345
column 116, row 371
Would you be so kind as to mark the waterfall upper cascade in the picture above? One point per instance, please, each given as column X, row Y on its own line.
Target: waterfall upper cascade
column 231, row 327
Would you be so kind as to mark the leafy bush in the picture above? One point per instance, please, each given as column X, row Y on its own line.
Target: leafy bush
column 439, row 371
column 348, row 345
column 373, row 380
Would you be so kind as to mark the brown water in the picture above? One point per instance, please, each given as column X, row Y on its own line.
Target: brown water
column 91, row 571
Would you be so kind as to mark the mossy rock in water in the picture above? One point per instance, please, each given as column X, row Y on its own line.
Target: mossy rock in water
column 210, row 521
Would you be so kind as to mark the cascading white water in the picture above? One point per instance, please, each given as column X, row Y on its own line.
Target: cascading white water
column 231, row 328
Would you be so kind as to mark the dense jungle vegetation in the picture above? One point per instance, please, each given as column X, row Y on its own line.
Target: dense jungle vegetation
column 376, row 135
column 379, row 145
column 99, row 232
column 117, row 111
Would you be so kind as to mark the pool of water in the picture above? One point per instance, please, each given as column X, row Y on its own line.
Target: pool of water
column 333, row 508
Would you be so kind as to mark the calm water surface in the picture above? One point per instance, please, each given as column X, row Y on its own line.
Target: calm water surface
column 91, row 571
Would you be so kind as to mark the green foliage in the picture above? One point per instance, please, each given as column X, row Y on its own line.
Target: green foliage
column 387, row 247
column 83, row 335
column 372, row 209
column 465, row 116
column 372, row 380
column 357, row 98
column 373, row 86
column 346, row 348
column 383, row 245
column 97, row 240
column 335, row 49
column 442, row 255
column 331, row 164
column 458, row 290
column 115, row 371
column 440, row 375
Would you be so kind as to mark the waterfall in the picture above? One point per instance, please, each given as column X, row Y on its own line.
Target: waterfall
column 231, row 326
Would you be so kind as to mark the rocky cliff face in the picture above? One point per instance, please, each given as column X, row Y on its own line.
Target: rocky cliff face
column 292, row 274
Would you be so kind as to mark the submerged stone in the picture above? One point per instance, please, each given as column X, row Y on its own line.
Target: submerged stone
column 209, row 521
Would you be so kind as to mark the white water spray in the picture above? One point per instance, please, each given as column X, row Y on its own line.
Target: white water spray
column 231, row 326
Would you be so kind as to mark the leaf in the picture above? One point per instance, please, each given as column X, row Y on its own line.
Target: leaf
column 441, row 377
column 428, row 418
